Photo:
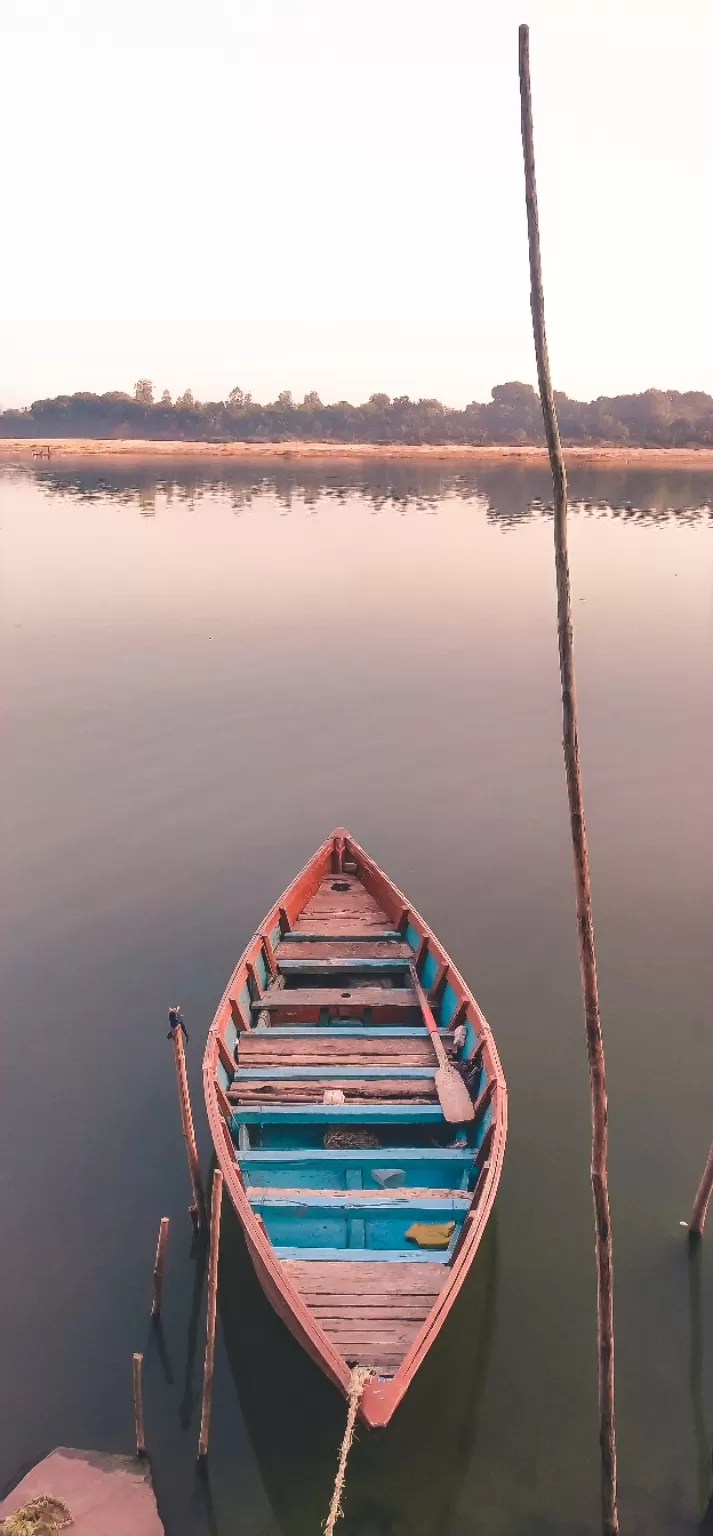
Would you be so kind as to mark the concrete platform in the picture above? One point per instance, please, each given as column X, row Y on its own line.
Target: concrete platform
column 107, row 1495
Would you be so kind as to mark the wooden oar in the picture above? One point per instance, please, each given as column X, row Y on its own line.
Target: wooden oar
column 456, row 1101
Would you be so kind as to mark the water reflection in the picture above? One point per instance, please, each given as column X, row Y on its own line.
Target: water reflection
column 402, row 1481
column 509, row 494
column 191, row 1387
column 189, row 702
column 695, row 1381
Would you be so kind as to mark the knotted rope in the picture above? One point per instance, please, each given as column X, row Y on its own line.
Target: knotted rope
column 357, row 1382
column 41, row 1517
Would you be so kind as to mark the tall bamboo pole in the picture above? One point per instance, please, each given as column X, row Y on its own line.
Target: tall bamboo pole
column 703, row 1194
column 570, row 743
column 215, row 1208
column 189, row 1135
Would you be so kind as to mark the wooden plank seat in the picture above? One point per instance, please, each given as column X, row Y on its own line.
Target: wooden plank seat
column 326, row 965
column 310, row 1072
column 303, row 936
column 381, row 1170
column 370, row 1311
column 433, row 1205
column 349, row 1028
column 261, row 1049
column 309, row 1064
column 298, row 999
column 363, row 1036
column 336, row 1114
column 363, row 1255
column 357, row 1090
column 419, row 1192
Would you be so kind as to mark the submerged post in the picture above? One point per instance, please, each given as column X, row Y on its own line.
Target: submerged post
column 137, row 1364
column 570, row 743
column 177, row 1031
column 700, row 1204
column 215, row 1209
column 159, row 1265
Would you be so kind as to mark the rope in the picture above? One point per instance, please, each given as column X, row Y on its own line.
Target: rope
column 41, row 1517
column 357, row 1382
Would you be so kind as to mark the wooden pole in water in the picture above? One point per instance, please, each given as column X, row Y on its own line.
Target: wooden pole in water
column 215, row 1209
column 159, row 1265
column 198, row 1215
column 137, row 1363
column 570, row 743
column 700, row 1204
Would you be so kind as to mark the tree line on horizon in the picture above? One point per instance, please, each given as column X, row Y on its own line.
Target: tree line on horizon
column 659, row 418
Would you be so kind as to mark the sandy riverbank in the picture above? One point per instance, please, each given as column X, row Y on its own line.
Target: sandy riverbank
column 128, row 448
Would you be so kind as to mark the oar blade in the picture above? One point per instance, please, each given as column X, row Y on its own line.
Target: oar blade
column 455, row 1099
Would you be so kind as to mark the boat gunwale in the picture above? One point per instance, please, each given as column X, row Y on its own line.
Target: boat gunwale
column 381, row 1396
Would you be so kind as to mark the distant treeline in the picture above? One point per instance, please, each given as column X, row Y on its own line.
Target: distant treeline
column 664, row 418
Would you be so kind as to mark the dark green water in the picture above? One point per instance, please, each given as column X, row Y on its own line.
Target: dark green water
column 201, row 675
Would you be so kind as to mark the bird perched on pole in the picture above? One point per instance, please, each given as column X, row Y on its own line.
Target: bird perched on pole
column 175, row 1019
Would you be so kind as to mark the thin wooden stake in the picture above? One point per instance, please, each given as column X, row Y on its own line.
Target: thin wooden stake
column 198, row 1215
column 570, row 743
column 700, row 1204
column 215, row 1208
column 159, row 1265
column 137, row 1363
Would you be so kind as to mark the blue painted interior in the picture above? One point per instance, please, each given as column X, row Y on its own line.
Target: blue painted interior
column 326, row 1169
column 281, row 1146
column 337, row 1114
column 327, row 1223
column 449, row 1003
column 350, row 965
column 471, row 1036
column 378, row 936
column 429, row 968
column 362, row 1155
column 285, row 1137
column 483, row 1126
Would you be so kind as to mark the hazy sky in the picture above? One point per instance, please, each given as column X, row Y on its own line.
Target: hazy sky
column 327, row 194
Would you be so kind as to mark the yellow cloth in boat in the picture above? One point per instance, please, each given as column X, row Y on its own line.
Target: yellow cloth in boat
column 431, row 1234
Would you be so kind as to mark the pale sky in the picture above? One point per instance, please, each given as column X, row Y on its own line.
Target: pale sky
column 328, row 194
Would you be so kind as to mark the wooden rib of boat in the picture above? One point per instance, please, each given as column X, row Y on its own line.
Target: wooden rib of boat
column 362, row 1206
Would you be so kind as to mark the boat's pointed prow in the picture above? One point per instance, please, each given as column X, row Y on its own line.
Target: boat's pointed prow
column 362, row 1203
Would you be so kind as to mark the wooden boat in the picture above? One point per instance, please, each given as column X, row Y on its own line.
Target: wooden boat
column 362, row 1206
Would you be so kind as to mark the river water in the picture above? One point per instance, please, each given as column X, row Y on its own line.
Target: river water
column 203, row 671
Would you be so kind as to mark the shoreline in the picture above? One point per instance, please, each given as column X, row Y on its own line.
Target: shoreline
column 602, row 456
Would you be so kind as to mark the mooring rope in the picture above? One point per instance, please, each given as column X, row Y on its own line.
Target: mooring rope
column 357, row 1382
column 41, row 1517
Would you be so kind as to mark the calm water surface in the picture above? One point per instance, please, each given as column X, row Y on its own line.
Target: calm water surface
column 201, row 675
